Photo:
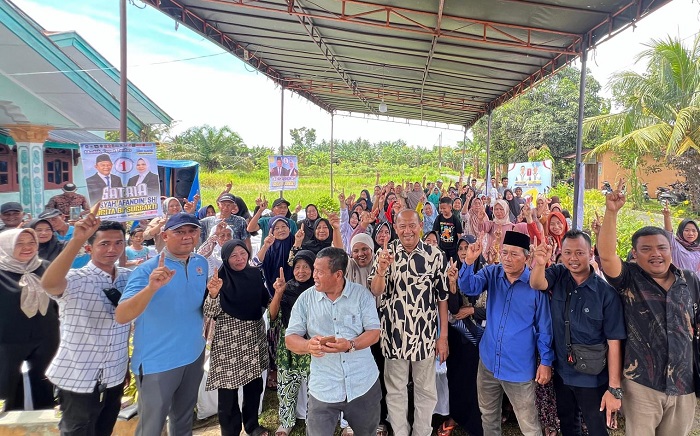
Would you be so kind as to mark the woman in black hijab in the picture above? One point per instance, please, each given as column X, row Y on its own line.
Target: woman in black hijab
column 322, row 236
column 383, row 232
column 292, row 368
column 308, row 223
column 49, row 245
column 237, row 299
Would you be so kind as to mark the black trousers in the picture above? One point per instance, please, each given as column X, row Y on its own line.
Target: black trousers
column 38, row 355
column 230, row 418
column 570, row 399
column 462, row 366
column 376, row 349
column 86, row 415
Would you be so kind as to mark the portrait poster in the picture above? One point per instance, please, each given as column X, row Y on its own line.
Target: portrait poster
column 124, row 176
column 533, row 177
column 284, row 172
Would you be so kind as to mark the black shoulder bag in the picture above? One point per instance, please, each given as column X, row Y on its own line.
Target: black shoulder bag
column 586, row 359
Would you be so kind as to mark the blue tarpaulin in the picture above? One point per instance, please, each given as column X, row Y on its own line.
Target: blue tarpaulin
column 169, row 168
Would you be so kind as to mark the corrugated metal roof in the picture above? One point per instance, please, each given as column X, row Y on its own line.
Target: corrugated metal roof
column 447, row 61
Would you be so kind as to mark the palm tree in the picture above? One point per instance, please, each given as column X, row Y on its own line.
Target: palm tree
column 660, row 107
column 212, row 147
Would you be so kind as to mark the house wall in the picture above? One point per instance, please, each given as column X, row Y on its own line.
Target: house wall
column 611, row 171
column 77, row 178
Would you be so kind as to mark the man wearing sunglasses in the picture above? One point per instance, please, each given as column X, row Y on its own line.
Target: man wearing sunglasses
column 90, row 366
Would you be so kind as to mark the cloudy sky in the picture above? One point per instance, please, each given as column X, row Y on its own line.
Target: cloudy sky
column 196, row 82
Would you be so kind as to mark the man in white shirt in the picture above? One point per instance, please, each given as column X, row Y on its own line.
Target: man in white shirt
column 90, row 366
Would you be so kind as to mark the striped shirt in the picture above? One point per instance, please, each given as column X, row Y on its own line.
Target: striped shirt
column 93, row 346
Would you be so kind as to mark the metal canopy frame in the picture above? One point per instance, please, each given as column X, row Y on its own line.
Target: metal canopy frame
column 449, row 61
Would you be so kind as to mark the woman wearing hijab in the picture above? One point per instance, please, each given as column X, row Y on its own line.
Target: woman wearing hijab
column 554, row 231
column 292, row 368
column 308, row 222
column 273, row 258
column 348, row 224
column 383, row 233
column 434, row 197
column 475, row 217
column 429, row 213
column 685, row 244
column 466, row 315
column 513, row 205
column 206, row 211
column 322, row 236
column 364, row 195
column 28, row 321
column 237, row 299
column 49, row 245
column 496, row 230
column 211, row 248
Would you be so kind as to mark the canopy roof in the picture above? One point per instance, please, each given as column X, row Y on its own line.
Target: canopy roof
column 449, row 61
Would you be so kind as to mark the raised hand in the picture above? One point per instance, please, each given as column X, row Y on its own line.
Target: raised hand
column 259, row 200
column 160, row 276
column 341, row 196
column 190, row 206
column 214, row 285
column 666, row 211
column 542, row 254
column 229, row 185
column 299, row 236
column 616, row 199
column 351, row 200
column 595, row 224
column 269, row 239
column 386, row 258
column 298, row 208
column 280, row 284
column 221, row 227
column 452, row 272
column 86, row 227
column 334, row 219
column 473, row 251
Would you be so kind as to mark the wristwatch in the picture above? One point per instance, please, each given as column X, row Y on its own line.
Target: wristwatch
column 352, row 347
column 616, row 392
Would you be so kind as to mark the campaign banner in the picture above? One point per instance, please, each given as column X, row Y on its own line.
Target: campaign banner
column 284, row 172
column 124, row 176
column 533, row 177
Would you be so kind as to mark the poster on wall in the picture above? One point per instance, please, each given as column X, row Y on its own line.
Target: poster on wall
column 284, row 172
column 533, row 177
column 124, row 176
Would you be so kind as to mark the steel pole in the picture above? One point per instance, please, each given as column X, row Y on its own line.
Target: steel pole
column 122, row 72
column 332, row 147
column 487, row 180
column 282, row 130
column 579, row 179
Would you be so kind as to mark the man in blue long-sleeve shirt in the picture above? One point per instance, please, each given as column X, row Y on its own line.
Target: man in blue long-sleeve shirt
column 519, row 325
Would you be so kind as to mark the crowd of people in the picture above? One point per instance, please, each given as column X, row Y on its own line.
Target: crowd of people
column 414, row 300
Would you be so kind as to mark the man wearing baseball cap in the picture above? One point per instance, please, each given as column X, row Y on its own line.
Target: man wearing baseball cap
column 69, row 198
column 11, row 214
column 227, row 205
column 64, row 232
column 279, row 207
column 164, row 298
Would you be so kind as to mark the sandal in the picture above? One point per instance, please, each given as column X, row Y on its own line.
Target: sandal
column 382, row 430
column 445, row 430
column 260, row 431
column 281, row 431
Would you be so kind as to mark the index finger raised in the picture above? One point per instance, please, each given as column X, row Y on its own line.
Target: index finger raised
column 282, row 274
column 161, row 260
column 620, row 184
column 95, row 210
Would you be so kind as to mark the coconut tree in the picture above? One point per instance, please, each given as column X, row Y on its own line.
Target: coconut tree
column 214, row 148
column 659, row 108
